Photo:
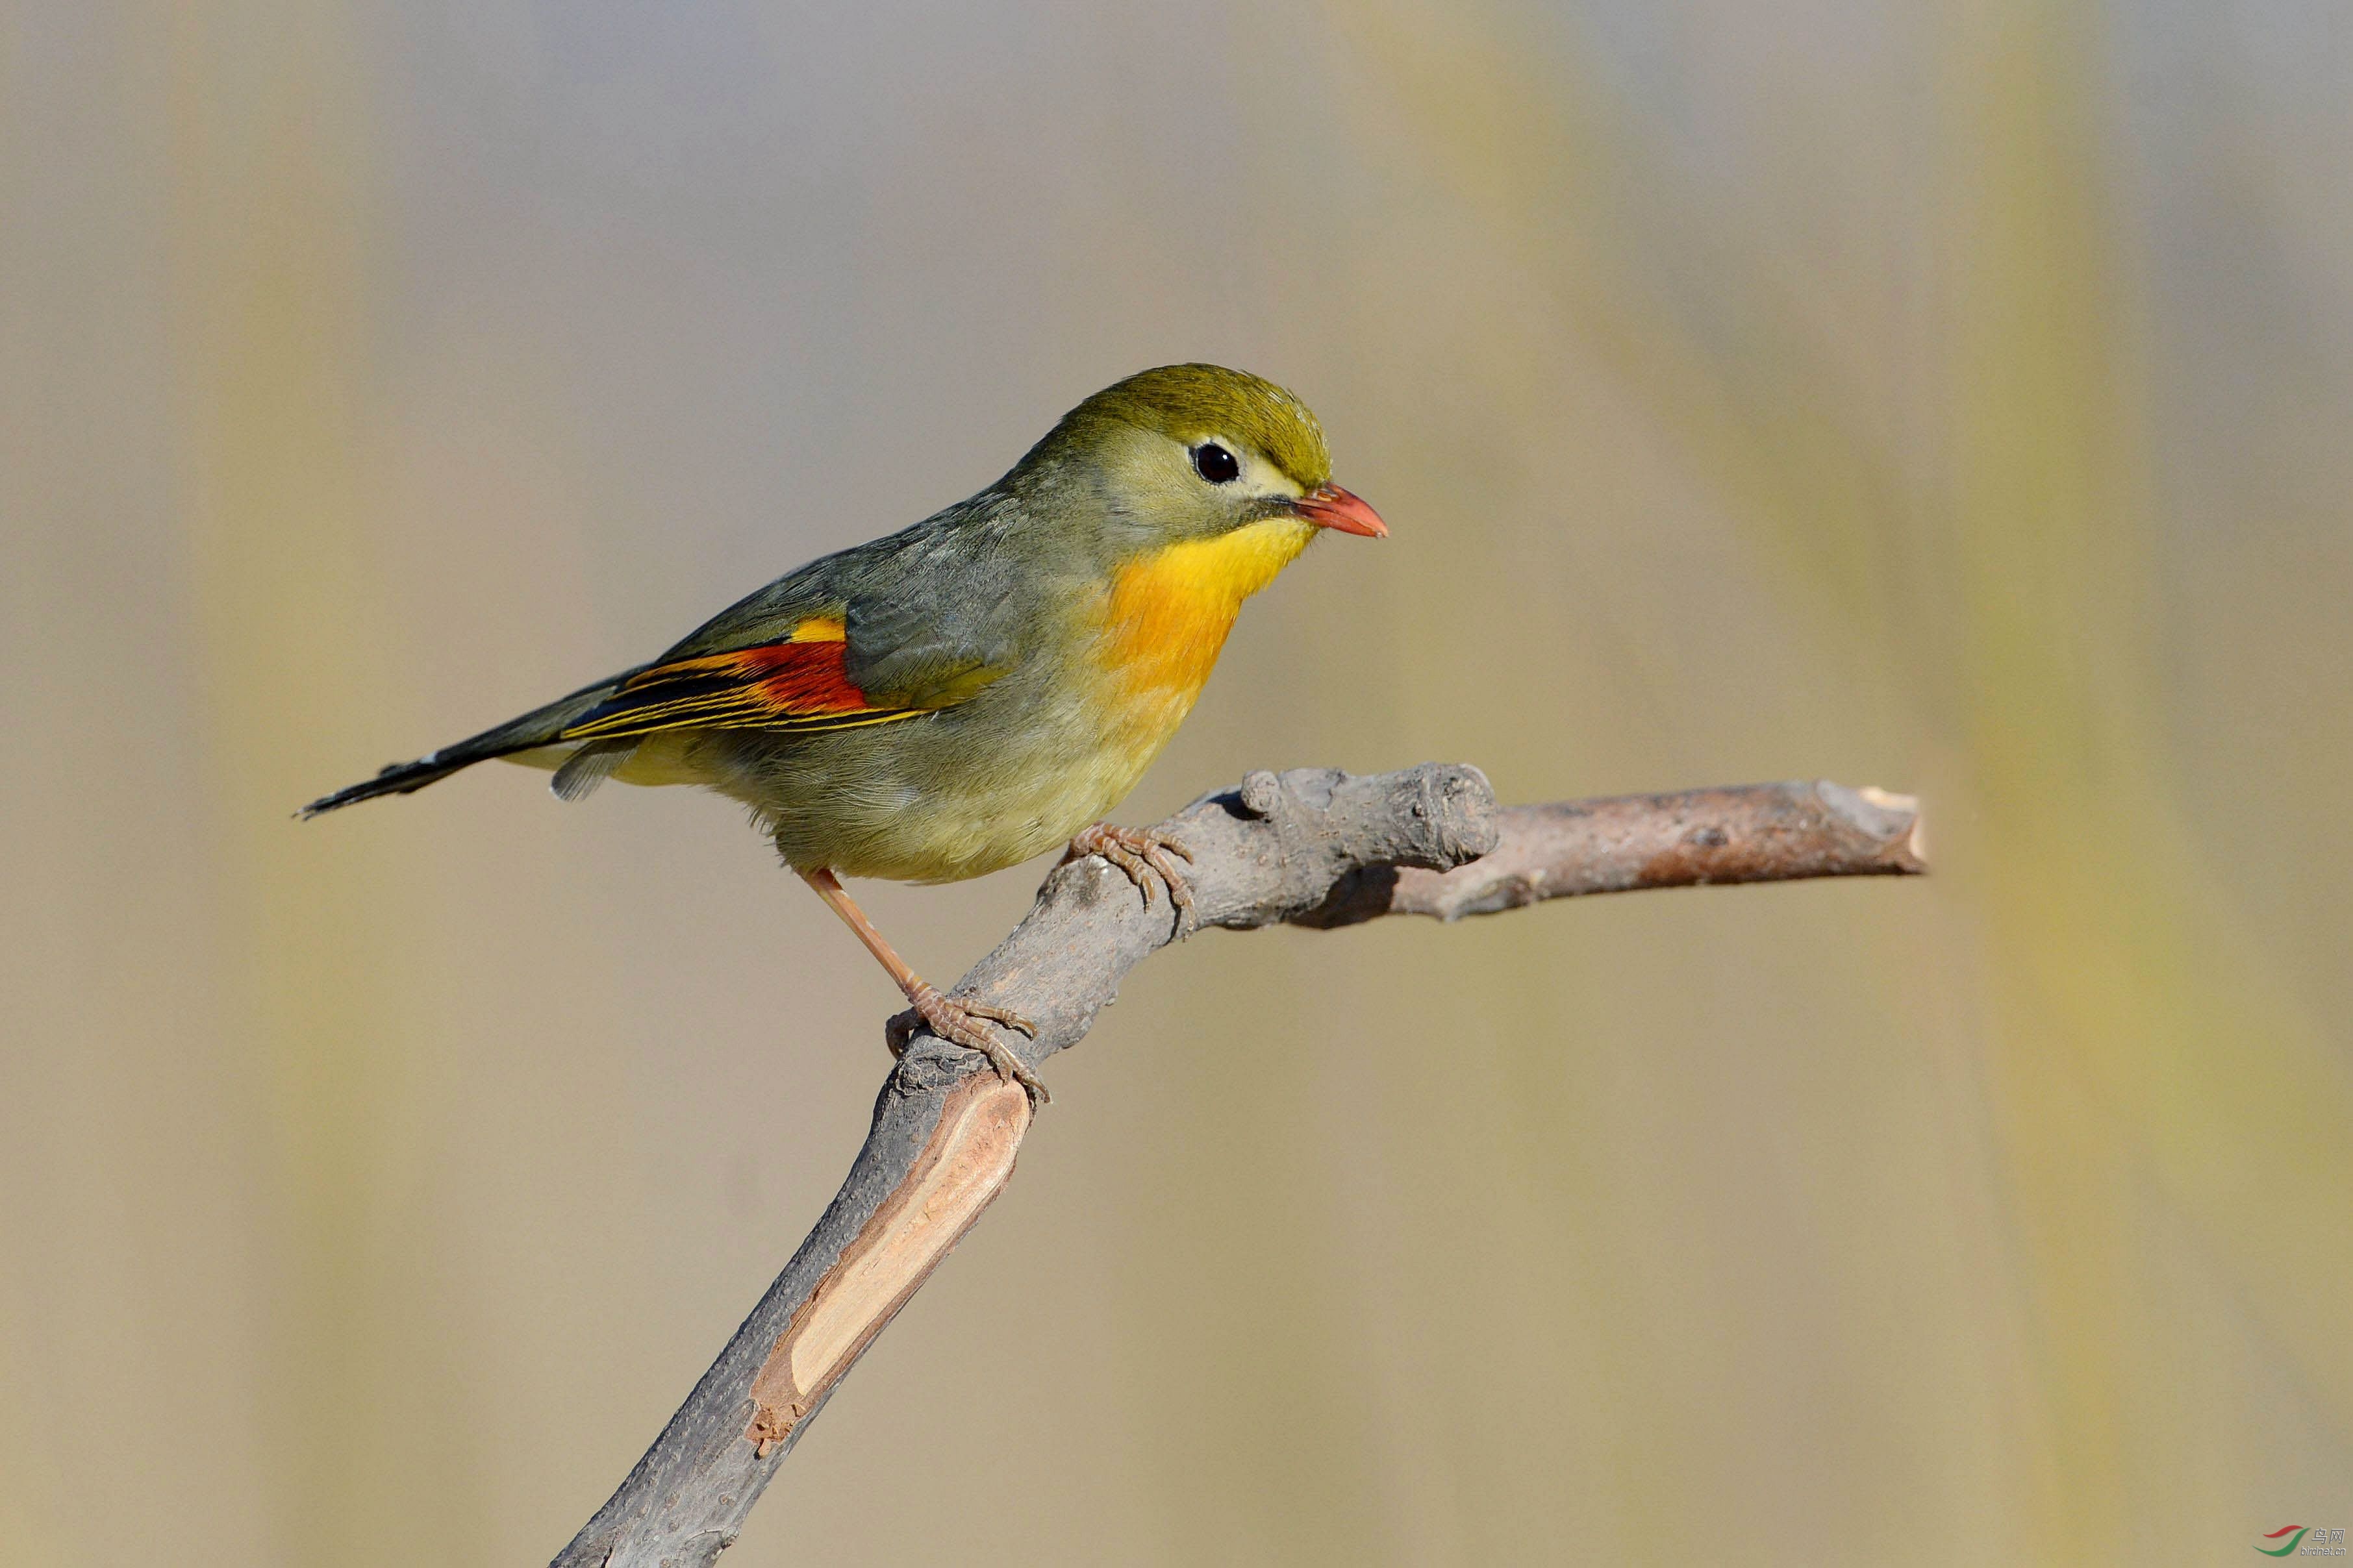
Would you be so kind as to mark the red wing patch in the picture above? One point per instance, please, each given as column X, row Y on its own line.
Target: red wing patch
column 797, row 686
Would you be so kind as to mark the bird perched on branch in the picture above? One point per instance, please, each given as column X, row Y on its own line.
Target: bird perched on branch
column 974, row 690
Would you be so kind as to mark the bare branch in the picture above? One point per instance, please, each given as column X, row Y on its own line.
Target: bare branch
column 1621, row 844
column 1308, row 848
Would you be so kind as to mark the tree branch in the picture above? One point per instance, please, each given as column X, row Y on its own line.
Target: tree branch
column 1308, row 848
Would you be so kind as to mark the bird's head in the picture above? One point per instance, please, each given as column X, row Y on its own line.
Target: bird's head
column 1195, row 451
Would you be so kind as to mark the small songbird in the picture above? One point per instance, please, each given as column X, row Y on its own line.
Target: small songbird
column 981, row 687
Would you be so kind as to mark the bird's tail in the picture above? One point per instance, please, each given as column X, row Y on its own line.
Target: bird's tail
column 534, row 729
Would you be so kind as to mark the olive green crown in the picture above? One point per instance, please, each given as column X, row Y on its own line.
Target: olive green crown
column 1191, row 402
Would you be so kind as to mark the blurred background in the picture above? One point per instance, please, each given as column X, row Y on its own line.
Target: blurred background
column 1950, row 397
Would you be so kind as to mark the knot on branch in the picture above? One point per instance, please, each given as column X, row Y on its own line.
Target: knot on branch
column 1281, row 847
column 1313, row 833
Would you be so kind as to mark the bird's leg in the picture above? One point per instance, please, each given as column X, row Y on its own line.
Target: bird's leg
column 1144, row 854
column 946, row 1016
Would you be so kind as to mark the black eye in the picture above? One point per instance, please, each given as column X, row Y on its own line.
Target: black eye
column 1215, row 464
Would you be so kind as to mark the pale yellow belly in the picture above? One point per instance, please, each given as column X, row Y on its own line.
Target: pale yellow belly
column 976, row 789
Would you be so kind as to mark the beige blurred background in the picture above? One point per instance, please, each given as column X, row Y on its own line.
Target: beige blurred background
column 1952, row 398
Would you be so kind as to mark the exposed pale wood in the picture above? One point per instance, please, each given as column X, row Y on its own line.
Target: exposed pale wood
column 966, row 1164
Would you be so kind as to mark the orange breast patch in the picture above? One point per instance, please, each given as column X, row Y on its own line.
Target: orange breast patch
column 1169, row 613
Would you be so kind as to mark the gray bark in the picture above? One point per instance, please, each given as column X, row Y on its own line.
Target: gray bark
column 1310, row 847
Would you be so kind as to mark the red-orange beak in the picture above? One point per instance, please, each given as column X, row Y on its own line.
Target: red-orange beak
column 1329, row 506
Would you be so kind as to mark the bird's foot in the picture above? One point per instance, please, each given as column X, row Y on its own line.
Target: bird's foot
column 958, row 1023
column 1144, row 853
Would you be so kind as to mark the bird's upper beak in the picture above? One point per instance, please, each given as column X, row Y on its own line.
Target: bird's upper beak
column 1329, row 506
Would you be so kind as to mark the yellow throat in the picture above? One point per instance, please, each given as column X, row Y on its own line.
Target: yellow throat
column 1168, row 614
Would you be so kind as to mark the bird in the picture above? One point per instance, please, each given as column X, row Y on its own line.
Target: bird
column 979, row 687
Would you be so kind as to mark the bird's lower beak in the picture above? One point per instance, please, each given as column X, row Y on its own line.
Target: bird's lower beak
column 1329, row 506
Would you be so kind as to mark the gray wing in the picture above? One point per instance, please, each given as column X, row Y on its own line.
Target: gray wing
column 930, row 615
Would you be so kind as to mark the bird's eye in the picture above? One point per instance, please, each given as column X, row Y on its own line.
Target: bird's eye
column 1215, row 464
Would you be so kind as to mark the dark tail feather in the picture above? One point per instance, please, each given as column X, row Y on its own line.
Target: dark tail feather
column 538, row 727
column 399, row 778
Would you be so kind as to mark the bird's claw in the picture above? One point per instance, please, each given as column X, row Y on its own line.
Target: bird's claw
column 1004, row 1016
column 957, row 1022
column 1144, row 854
